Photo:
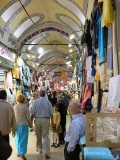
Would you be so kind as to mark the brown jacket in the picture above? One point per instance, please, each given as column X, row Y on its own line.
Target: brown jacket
column 7, row 118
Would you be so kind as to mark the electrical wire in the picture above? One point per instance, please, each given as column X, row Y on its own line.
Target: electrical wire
column 37, row 28
column 41, row 33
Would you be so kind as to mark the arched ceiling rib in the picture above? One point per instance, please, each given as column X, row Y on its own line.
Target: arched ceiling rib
column 54, row 22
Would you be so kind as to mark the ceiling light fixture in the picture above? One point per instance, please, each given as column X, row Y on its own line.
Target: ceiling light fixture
column 33, row 56
column 28, row 55
column 40, row 50
column 70, row 50
column 70, row 45
column 37, row 64
column 66, row 57
column 68, row 62
column 72, row 36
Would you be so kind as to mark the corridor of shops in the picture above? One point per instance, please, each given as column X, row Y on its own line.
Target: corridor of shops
column 60, row 79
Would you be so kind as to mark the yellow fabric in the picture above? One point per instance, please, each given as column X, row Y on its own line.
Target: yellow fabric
column 107, row 15
column 15, row 73
column 62, row 74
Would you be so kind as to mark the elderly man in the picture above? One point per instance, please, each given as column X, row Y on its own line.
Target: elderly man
column 8, row 122
column 75, row 131
column 42, row 111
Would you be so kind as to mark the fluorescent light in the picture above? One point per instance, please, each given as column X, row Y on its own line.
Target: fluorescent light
column 28, row 55
column 72, row 36
column 37, row 64
column 70, row 45
column 40, row 50
column 70, row 50
column 66, row 57
column 33, row 56
column 68, row 62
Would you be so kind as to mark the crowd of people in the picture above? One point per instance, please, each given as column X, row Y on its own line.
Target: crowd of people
column 43, row 114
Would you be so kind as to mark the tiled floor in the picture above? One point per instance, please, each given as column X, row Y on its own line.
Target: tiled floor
column 55, row 153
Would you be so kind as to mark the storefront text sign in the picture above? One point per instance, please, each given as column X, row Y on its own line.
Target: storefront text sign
column 57, row 73
column 7, row 54
column 6, row 63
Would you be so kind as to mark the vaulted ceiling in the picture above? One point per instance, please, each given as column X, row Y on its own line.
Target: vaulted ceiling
column 27, row 25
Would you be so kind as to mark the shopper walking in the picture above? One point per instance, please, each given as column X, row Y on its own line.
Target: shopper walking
column 42, row 111
column 23, row 120
column 75, row 131
column 7, row 116
column 56, row 128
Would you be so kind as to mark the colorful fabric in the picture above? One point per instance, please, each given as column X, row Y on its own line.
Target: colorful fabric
column 107, row 13
column 9, row 81
column 101, row 52
column 97, row 153
column 21, row 139
column 15, row 73
column 93, row 72
column 110, row 50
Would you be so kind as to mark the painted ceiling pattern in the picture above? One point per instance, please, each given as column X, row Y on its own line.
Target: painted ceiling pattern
column 27, row 25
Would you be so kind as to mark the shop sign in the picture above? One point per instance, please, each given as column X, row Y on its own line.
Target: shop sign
column 57, row 73
column 7, row 54
column 6, row 63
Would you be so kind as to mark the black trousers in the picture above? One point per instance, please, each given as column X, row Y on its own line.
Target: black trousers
column 74, row 155
column 6, row 138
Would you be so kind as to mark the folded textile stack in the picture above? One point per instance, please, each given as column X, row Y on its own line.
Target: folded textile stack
column 97, row 153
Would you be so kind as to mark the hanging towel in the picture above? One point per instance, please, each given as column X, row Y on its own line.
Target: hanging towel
column 101, row 52
column 107, row 13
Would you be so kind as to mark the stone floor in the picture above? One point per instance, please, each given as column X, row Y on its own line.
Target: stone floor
column 55, row 153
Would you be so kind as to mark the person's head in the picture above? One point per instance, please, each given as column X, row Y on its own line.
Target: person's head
column 42, row 93
column 35, row 95
column 21, row 99
column 55, row 107
column 3, row 94
column 75, row 107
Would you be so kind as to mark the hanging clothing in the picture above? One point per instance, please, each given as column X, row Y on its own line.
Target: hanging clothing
column 90, row 79
column 110, row 50
column 15, row 73
column 93, row 71
column 9, row 81
column 101, row 52
column 115, row 54
column 107, row 14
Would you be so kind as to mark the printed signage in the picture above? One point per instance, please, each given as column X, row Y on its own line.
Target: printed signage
column 6, row 63
column 7, row 54
column 57, row 73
